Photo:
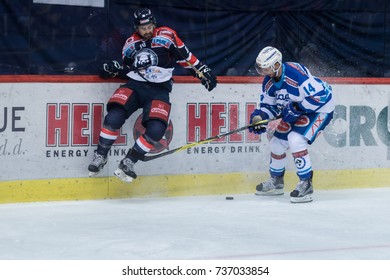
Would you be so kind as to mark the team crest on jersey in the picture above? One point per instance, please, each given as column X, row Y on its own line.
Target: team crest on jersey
column 163, row 144
column 145, row 58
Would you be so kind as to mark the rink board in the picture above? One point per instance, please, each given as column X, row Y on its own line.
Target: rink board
column 49, row 128
column 178, row 185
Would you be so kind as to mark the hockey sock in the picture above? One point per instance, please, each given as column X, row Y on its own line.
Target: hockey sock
column 113, row 121
column 278, row 158
column 303, row 164
column 298, row 145
column 135, row 153
column 277, row 165
column 155, row 130
column 106, row 140
column 142, row 146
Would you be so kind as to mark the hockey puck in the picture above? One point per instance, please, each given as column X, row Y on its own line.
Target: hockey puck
column 229, row 198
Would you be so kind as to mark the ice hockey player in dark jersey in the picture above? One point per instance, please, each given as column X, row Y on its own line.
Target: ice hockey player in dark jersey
column 149, row 58
column 305, row 104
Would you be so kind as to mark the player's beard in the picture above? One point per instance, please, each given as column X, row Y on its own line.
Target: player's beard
column 147, row 36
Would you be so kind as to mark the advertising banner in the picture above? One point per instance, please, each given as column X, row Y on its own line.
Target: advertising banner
column 50, row 130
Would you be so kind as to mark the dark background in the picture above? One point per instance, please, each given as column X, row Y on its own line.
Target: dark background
column 334, row 38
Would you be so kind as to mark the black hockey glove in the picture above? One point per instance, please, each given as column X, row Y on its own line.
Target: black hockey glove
column 110, row 69
column 206, row 77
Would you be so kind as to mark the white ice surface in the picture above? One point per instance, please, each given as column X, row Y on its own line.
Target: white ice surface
column 343, row 224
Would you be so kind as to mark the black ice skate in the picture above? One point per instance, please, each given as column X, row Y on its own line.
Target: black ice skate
column 97, row 164
column 273, row 186
column 125, row 170
column 303, row 191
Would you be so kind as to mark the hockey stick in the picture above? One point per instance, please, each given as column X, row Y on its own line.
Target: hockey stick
column 200, row 74
column 210, row 139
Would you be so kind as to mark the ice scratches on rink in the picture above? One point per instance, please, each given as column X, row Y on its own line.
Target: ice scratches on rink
column 351, row 224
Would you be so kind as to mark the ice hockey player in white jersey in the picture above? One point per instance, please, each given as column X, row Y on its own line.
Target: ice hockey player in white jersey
column 306, row 106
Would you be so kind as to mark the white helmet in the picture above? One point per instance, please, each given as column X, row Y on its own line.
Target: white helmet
column 267, row 58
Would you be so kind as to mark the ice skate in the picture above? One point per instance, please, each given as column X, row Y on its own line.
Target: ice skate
column 97, row 164
column 125, row 170
column 303, row 192
column 273, row 186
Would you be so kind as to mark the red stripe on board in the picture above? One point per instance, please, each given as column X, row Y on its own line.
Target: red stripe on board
column 177, row 79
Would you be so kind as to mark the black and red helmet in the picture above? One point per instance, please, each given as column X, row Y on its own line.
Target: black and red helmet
column 143, row 16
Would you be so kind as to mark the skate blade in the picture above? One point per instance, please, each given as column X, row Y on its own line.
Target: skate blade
column 122, row 176
column 304, row 199
column 273, row 193
column 93, row 174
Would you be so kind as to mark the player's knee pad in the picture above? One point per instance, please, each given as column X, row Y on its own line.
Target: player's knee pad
column 278, row 146
column 121, row 96
column 158, row 110
column 115, row 118
column 155, row 130
column 297, row 142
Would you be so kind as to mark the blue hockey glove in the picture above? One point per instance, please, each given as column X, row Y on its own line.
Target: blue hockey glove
column 291, row 112
column 206, row 77
column 256, row 116
column 110, row 69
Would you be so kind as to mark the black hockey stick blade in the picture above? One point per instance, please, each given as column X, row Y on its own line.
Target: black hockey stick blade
column 210, row 139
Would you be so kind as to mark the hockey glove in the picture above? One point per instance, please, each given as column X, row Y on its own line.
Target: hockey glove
column 110, row 69
column 206, row 77
column 291, row 112
column 256, row 116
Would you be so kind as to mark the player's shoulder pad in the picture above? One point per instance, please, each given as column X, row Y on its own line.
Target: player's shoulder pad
column 295, row 68
column 133, row 38
column 166, row 31
column 296, row 72
column 267, row 84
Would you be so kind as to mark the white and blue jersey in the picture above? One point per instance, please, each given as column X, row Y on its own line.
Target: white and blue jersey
column 297, row 85
column 312, row 95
